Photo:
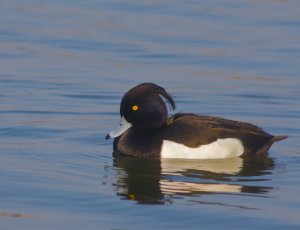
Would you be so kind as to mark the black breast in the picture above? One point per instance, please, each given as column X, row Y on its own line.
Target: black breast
column 139, row 143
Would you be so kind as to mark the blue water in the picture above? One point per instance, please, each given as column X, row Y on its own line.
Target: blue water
column 64, row 68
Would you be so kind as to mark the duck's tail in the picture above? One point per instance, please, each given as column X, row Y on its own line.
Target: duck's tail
column 279, row 138
column 265, row 148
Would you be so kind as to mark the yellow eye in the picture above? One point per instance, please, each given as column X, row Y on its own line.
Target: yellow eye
column 134, row 107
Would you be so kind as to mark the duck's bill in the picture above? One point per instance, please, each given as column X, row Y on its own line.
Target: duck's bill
column 124, row 126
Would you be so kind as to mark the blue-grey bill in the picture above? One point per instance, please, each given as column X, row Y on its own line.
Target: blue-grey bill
column 124, row 126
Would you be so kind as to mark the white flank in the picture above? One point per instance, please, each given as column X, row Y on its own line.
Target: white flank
column 219, row 149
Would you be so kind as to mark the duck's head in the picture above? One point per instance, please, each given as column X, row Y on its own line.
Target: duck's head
column 143, row 107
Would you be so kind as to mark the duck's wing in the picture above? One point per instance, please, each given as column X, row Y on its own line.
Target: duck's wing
column 194, row 130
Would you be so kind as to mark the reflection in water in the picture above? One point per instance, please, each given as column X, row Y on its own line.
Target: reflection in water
column 215, row 170
column 151, row 181
column 138, row 179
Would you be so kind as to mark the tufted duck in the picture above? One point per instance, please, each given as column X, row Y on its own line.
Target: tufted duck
column 147, row 131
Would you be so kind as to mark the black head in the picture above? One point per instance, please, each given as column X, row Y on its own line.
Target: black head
column 143, row 106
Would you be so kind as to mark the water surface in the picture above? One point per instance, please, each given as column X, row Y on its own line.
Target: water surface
column 64, row 68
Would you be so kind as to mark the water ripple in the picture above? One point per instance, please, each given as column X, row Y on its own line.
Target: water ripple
column 31, row 132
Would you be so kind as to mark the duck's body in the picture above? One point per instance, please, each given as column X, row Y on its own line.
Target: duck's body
column 152, row 135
